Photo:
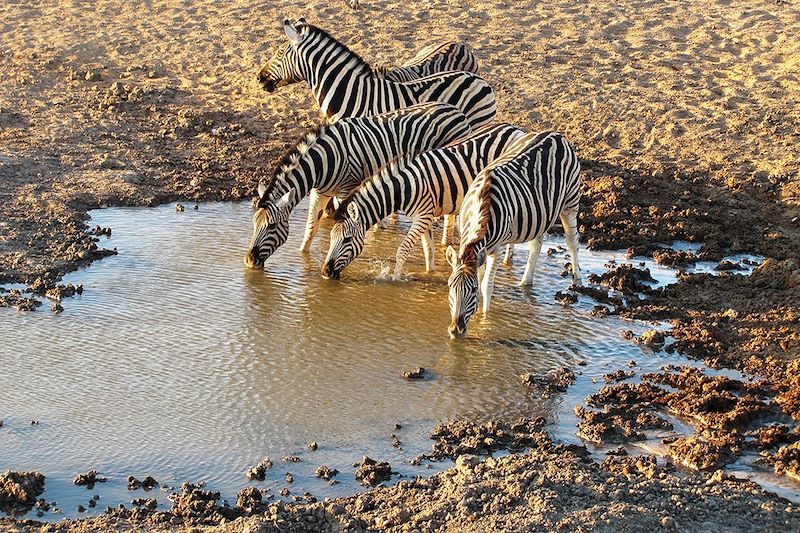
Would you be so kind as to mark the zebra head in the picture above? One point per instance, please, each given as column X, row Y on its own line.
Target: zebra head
column 270, row 227
column 283, row 68
column 347, row 241
column 463, row 291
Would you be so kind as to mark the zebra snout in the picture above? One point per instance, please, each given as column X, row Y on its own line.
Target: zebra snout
column 329, row 271
column 251, row 259
column 457, row 329
column 266, row 82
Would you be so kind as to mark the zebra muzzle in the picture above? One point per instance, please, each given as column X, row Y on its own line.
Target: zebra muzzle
column 329, row 271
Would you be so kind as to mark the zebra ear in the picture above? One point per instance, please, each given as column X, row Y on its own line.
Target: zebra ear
column 352, row 211
column 452, row 256
column 286, row 200
column 301, row 20
column 291, row 31
column 262, row 188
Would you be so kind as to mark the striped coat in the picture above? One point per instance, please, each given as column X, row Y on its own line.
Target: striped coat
column 333, row 159
column 514, row 200
column 344, row 85
column 424, row 187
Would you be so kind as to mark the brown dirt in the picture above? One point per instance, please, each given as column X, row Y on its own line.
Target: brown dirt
column 18, row 490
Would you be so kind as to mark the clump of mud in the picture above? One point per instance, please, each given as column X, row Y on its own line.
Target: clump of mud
column 371, row 472
column 19, row 490
column 199, row 506
column 626, row 279
column 617, row 425
column 259, row 472
column 88, row 479
column 460, row 437
column 249, row 500
column 556, row 382
column 326, row 473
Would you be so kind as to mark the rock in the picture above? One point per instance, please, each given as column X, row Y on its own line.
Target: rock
column 249, row 499
column 417, row 373
column 93, row 75
column 556, row 382
column 19, row 490
column 326, row 473
column 653, row 339
column 180, row 208
column 259, row 471
column 88, row 479
column 117, row 89
column 312, row 446
column 566, row 298
column 371, row 472
column 57, row 308
column 148, row 503
column 466, row 463
column 289, row 478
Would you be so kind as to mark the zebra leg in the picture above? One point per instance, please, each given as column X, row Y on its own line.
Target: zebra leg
column 419, row 228
column 429, row 249
column 487, row 283
column 533, row 255
column 509, row 254
column 569, row 219
column 448, row 229
column 315, row 205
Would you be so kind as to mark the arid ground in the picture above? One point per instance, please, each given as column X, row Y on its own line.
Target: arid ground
column 686, row 116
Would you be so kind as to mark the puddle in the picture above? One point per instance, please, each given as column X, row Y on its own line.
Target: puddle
column 177, row 362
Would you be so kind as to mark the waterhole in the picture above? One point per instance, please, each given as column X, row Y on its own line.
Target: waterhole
column 180, row 363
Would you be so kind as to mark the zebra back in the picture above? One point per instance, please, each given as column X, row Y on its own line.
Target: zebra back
column 335, row 158
column 345, row 86
column 433, row 59
column 519, row 196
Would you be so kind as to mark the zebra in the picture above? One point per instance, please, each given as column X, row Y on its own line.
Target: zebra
column 424, row 187
column 333, row 159
column 344, row 85
column 515, row 199
column 432, row 59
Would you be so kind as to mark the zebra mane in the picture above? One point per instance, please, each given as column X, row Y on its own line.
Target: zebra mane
column 339, row 43
column 341, row 212
column 479, row 227
column 290, row 159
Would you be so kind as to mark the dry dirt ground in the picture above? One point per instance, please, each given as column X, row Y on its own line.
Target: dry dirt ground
column 686, row 116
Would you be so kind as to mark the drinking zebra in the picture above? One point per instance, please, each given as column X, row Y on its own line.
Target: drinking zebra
column 333, row 159
column 432, row 59
column 424, row 187
column 515, row 199
column 344, row 85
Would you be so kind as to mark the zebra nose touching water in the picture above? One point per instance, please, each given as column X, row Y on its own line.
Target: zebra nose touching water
column 331, row 160
column 516, row 199
column 344, row 85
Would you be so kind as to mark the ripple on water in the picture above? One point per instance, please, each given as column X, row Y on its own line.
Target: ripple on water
column 180, row 363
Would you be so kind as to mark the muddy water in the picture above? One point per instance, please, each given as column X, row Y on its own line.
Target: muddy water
column 179, row 363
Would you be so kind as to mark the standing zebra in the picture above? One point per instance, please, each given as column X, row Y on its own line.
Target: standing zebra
column 344, row 85
column 432, row 59
column 424, row 187
column 333, row 159
column 515, row 199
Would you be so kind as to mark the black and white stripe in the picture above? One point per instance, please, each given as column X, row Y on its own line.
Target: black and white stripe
column 514, row 200
column 433, row 59
column 333, row 159
column 424, row 187
column 344, row 85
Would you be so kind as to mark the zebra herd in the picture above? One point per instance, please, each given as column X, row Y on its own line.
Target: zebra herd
column 415, row 139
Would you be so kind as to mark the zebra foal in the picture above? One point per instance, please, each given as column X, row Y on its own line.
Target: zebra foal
column 424, row 187
column 333, row 159
column 514, row 200
column 344, row 85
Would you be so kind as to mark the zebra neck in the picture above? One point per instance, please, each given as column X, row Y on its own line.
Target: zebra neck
column 330, row 81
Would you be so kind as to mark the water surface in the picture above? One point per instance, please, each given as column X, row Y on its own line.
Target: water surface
column 180, row 363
